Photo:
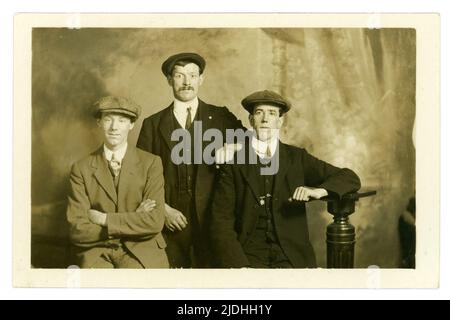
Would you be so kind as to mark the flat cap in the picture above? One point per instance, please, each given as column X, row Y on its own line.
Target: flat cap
column 121, row 105
column 265, row 97
column 168, row 65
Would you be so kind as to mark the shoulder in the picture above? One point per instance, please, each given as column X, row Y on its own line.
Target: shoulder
column 293, row 151
column 86, row 162
column 147, row 157
column 214, row 108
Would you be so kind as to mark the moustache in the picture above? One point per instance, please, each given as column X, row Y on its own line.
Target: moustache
column 186, row 88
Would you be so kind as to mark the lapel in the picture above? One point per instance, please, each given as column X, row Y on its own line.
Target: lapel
column 250, row 172
column 166, row 126
column 205, row 115
column 103, row 175
column 130, row 164
column 284, row 164
column 283, row 176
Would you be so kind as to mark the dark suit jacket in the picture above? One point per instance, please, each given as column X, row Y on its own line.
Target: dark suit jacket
column 155, row 137
column 235, row 205
column 92, row 187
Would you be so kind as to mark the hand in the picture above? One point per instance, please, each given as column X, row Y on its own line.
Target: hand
column 146, row 206
column 175, row 220
column 306, row 193
column 226, row 153
column 97, row 217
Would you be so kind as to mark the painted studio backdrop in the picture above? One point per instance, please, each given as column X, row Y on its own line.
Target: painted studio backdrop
column 352, row 90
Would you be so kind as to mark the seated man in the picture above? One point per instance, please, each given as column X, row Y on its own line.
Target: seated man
column 114, row 224
column 258, row 211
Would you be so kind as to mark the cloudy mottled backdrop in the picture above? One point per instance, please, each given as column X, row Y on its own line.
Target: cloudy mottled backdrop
column 353, row 95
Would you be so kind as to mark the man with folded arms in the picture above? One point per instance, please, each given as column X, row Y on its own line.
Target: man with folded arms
column 116, row 200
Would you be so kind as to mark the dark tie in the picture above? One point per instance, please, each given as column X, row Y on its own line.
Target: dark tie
column 114, row 167
column 188, row 119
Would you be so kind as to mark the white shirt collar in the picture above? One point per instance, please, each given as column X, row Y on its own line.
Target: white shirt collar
column 119, row 154
column 260, row 147
column 180, row 110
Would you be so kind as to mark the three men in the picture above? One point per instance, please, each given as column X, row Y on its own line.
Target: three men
column 258, row 212
column 251, row 214
column 189, row 185
column 116, row 201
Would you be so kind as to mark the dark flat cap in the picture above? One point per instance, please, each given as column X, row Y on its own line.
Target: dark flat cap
column 168, row 65
column 121, row 105
column 265, row 97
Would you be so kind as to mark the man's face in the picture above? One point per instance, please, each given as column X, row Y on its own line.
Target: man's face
column 266, row 121
column 185, row 81
column 115, row 129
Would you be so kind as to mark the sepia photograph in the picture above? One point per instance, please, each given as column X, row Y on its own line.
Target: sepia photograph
column 276, row 150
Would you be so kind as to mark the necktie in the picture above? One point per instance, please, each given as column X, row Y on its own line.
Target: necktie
column 268, row 153
column 114, row 167
column 188, row 119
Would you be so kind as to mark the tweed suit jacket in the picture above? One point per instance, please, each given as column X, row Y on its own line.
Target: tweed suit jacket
column 92, row 187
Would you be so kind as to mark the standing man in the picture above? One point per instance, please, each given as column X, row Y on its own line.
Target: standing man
column 188, row 185
column 258, row 211
column 116, row 200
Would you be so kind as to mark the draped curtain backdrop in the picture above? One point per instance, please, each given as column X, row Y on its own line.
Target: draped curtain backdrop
column 352, row 90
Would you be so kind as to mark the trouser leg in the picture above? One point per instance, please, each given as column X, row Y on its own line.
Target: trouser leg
column 124, row 259
column 179, row 243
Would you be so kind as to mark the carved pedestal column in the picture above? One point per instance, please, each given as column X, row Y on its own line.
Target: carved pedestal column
column 341, row 233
